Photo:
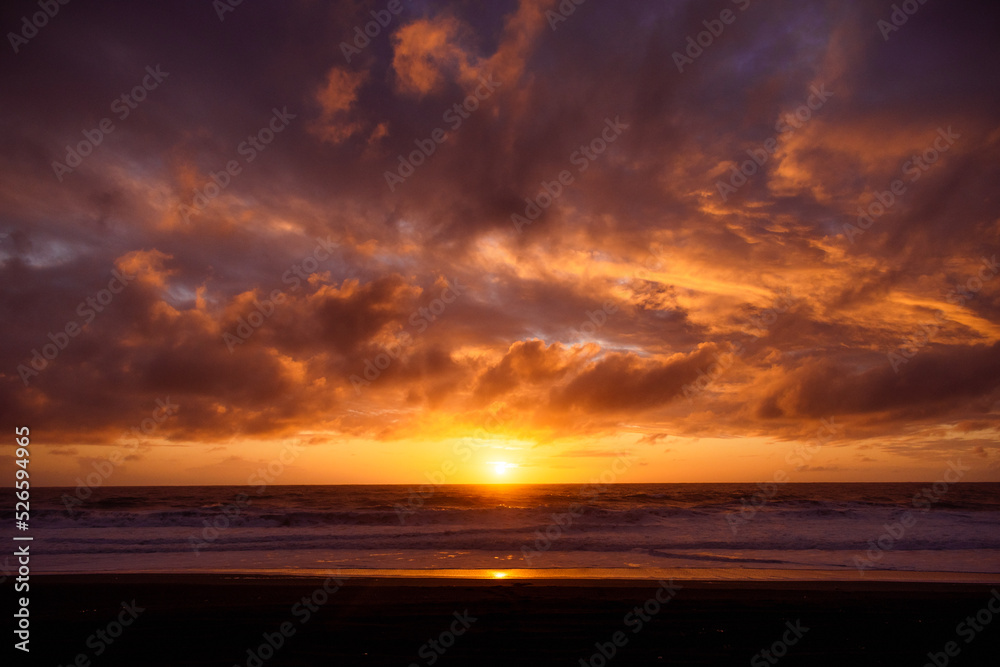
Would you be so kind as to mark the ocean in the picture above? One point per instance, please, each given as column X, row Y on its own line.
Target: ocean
column 851, row 528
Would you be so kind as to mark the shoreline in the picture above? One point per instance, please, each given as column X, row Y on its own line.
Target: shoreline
column 758, row 578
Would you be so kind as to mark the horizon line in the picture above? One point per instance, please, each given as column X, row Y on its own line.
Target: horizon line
column 133, row 486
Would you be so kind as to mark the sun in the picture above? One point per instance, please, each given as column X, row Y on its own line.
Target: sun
column 500, row 467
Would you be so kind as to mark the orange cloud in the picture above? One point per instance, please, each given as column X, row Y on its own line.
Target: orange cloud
column 429, row 52
column 337, row 97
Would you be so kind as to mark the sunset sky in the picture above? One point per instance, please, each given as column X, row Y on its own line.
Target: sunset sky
column 576, row 272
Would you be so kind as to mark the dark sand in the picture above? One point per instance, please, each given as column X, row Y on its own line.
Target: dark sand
column 214, row 619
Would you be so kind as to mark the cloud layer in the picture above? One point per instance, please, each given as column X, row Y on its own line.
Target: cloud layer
column 800, row 224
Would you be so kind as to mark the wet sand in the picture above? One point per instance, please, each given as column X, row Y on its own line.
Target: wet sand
column 226, row 619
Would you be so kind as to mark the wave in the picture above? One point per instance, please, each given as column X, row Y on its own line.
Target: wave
column 118, row 514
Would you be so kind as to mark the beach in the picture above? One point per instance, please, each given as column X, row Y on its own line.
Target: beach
column 501, row 618
column 654, row 574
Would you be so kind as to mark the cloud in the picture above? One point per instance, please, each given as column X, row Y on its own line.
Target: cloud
column 586, row 324
column 626, row 382
column 337, row 99
column 428, row 53
column 526, row 363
